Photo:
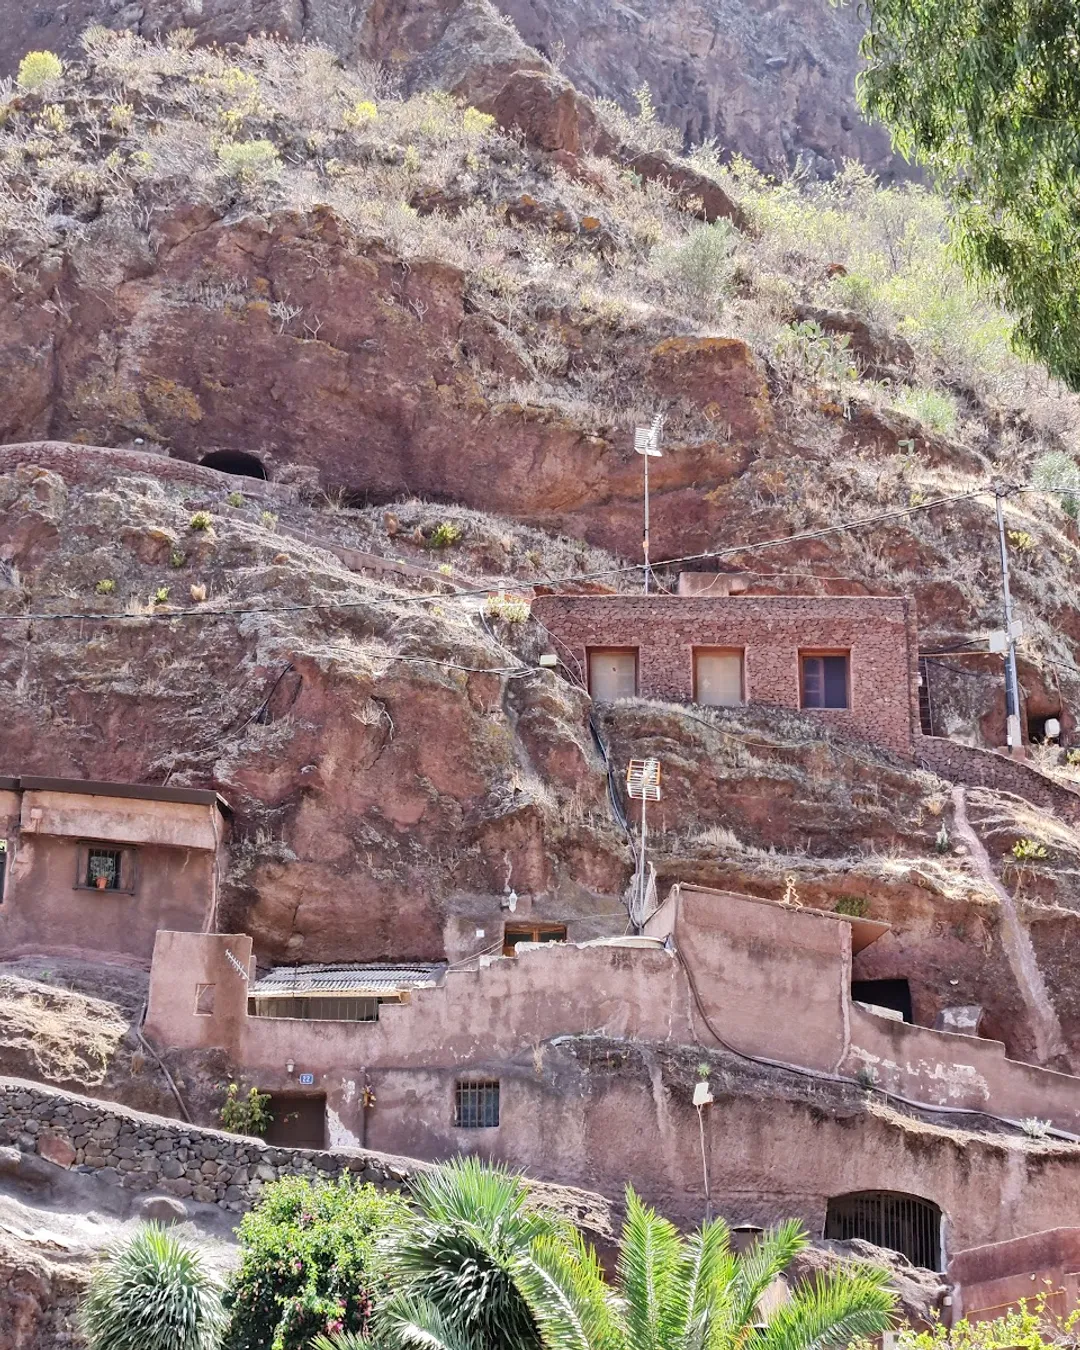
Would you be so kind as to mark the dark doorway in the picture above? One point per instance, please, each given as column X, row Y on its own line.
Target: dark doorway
column 299, row 1120
column 236, row 462
column 894, row 994
column 1036, row 728
column 902, row 1223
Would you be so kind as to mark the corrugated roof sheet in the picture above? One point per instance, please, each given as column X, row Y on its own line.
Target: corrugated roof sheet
column 376, row 979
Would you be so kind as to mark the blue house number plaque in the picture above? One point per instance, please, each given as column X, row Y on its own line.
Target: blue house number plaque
column 307, row 1079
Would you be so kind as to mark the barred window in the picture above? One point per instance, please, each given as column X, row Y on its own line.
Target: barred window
column 903, row 1223
column 476, row 1105
column 103, row 868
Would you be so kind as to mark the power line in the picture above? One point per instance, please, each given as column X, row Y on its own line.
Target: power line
column 205, row 612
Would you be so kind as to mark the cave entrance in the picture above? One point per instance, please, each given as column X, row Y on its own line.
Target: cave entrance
column 902, row 1223
column 893, row 994
column 237, row 462
column 1038, row 732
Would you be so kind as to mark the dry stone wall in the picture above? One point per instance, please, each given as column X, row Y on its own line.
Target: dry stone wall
column 975, row 767
column 143, row 1153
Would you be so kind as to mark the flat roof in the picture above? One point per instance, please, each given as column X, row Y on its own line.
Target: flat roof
column 863, row 931
column 371, row 979
column 146, row 792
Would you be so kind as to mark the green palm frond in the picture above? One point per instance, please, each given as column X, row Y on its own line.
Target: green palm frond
column 756, row 1269
column 850, row 1303
column 564, row 1285
column 410, row 1323
column 707, row 1272
column 649, row 1266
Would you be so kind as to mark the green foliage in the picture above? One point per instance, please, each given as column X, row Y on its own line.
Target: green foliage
column 508, row 608
column 177, row 558
column 934, row 408
column 105, row 586
column 803, row 351
column 201, row 520
column 1028, row 850
column 152, row 1293
column 235, row 499
column 1031, row 1326
column 642, row 129
column 37, row 70
column 675, row 1293
column 1056, row 469
column 854, row 906
column 705, row 262
column 249, row 162
column 245, row 1115
column 453, row 1264
column 1021, row 541
column 444, row 535
column 268, row 520
column 160, row 595
column 306, row 1263
column 982, row 94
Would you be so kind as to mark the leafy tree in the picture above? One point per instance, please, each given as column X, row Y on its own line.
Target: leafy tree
column 984, row 93
column 307, row 1263
column 696, row 1293
column 453, row 1263
column 153, row 1293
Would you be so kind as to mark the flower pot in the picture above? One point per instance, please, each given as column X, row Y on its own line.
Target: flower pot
column 101, row 883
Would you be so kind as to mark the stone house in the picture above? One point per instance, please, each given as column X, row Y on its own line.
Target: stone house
column 852, row 661
column 94, row 870
column 564, row 1059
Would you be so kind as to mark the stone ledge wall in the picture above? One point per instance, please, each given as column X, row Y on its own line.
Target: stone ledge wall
column 975, row 767
column 142, row 1152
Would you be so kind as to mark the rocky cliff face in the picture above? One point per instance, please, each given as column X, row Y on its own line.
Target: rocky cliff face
column 773, row 83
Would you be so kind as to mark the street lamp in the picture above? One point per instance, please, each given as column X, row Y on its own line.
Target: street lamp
column 647, row 444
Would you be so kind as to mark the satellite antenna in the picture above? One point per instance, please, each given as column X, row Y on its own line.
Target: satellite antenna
column 643, row 785
column 647, row 444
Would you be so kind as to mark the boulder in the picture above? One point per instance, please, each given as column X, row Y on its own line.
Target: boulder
column 719, row 375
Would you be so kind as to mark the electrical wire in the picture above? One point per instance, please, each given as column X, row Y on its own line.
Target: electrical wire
column 204, row 612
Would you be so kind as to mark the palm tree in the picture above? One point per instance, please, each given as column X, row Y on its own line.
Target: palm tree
column 153, row 1293
column 452, row 1263
column 694, row 1294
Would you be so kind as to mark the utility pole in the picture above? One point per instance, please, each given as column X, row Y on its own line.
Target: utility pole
column 647, row 443
column 1012, row 684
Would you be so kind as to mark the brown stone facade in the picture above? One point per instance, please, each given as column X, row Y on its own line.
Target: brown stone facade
column 877, row 633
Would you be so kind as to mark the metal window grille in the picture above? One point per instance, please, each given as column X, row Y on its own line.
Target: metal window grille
column 902, row 1223
column 476, row 1105
column 103, row 862
column 327, row 1008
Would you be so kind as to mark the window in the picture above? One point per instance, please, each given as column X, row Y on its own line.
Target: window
column 892, row 994
column 324, row 1008
column 824, row 679
column 613, row 673
column 105, row 869
column 204, row 999
column 718, row 677
column 514, row 933
column 903, row 1223
column 476, row 1105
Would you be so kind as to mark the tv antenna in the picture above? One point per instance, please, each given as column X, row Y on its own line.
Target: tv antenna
column 643, row 785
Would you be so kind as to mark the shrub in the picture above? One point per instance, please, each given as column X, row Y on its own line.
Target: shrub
column 361, row 114
column 37, row 70
column 235, row 499
column 854, row 906
column 1028, row 850
column 105, row 586
column 177, row 558
column 804, row 351
column 245, row 1115
column 704, row 264
column 444, row 535
column 249, row 162
column 153, row 1293
column 1056, row 469
column 932, row 407
column 268, row 520
column 160, row 595
column 476, row 123
column 1035, row 1128
column 1021, row 540
column 305, row 1263
column 121, row 117
column 508, row 608
column 201, row 520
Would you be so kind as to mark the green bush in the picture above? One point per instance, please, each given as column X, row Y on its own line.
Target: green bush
column 445, row 535
column 201, row 520
column 245, row 1115
column 705, row 263
column 306, row 1263
column 1056, row 469
column 153, row 1293
column 249, row 162
column 38, row 69
column 932, row 407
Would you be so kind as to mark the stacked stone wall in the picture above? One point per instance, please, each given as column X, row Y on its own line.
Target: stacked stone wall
column 975, row 767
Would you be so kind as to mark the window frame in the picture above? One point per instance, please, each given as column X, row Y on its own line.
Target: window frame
column 820, row 653
column 464, row 1085
column 534, row 929
column 710, row 649
column 201, row 988
column 590, row 652
column 129, row 869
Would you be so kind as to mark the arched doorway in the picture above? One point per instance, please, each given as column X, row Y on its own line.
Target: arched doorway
column 903, row 1223
column 235, row 461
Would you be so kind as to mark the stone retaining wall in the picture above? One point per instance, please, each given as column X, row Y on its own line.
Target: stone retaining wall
column 143, row 1152
column 975, row 767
